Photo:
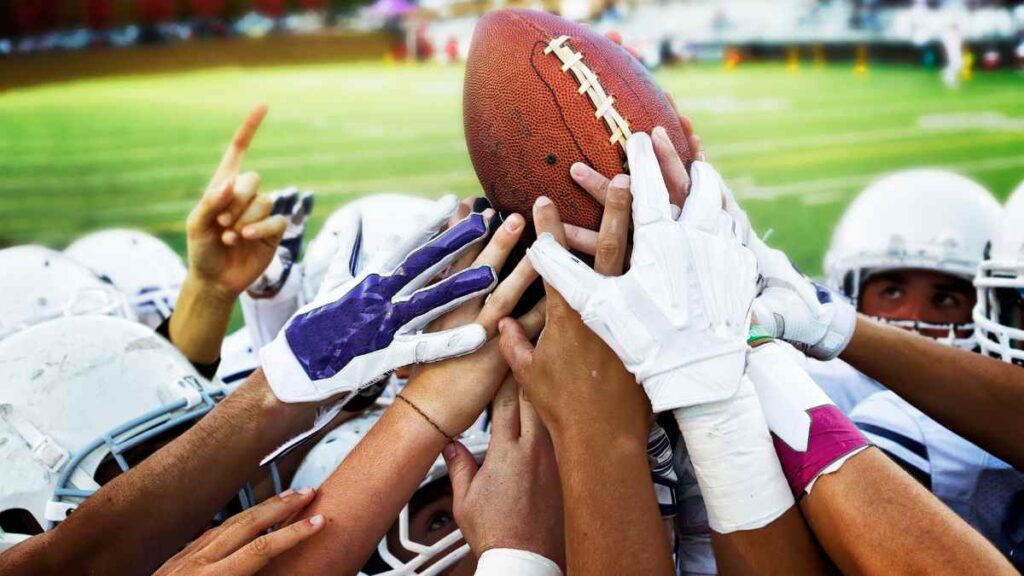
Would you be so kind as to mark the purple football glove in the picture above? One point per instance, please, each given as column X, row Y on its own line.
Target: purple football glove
column 360, row 328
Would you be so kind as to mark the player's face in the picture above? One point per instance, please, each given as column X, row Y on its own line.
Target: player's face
column 431, row 519
column 919, row 296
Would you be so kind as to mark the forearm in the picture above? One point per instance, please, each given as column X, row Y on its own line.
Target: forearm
column 870, row 508
column 200, row 320
column 783, row 547
column 978, row 397
column 138, row 520
column 364, row 496
column 606, row 485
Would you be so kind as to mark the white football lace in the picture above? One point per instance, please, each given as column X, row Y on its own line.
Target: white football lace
column 589, row 84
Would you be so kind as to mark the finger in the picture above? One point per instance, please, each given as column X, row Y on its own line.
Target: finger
column 505, row 413
column 547, row 220
column 533, row 321
column 697, row 145
column 703, row 208
column 426, row 229
column 304, row 208
column 504, row 240
column 464, row 208
column 614, row 36
column 270, row 230
column 425, row 262
column 531, row 427
column 231, row 162
column 592, row 181
column 436, row 346
column 246, row 186
column 672, row 169
column 516, row 348
column 255, row 555
column 633, row 52
column 462, row 468
column 213, row 202
column 650, row 196
column 563, row 272
column 341, row 250
column 243, row 527
column 423, row 306
column 581, row 240
column 258, row 209
column 469, row 256
column 503, row 300
column 610, row 255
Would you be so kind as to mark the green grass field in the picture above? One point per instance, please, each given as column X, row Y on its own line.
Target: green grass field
column 137, row 151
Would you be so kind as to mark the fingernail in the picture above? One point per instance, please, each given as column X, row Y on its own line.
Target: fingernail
column 514, row 223
column 660, row 134
column 501, row 324
column 306, row 491
column 542, row 201
column 248, row 231
column 675, row 210
column 579, row 170
column 316, row 520
column 620, row 181
column 224, row 219
column 449, row 451
column 229, row 237
column 286, row 493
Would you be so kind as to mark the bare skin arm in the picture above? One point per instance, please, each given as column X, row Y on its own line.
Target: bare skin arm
column 977, row 397
column 873, row 518
column 361, row 499
column 141, row 518
column 231, row 240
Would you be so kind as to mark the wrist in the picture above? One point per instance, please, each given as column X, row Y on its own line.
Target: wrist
column 287, row 419
column 207, row 290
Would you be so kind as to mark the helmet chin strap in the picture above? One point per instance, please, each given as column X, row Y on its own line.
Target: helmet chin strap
column 45, row 449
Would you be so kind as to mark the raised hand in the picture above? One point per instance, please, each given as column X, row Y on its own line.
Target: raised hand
column 678, row 319
column 361, row 327
column 231, row 235
column 242, row 546
column 495, row 513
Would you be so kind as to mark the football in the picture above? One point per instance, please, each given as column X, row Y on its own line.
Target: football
column 542, row 93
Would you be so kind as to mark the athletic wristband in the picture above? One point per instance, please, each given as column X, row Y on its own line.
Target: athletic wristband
column 810, row 434
column 509, row 562
column 756, row 333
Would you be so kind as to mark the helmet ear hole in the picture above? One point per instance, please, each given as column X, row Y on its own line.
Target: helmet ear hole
column 19, row 521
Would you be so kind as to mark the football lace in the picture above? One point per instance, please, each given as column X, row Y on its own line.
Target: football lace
column 591, row 86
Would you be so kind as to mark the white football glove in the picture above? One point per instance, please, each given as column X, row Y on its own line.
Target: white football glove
column 679, row 318
column 790, row 306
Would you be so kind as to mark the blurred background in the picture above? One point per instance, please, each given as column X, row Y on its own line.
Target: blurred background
column 115, row 112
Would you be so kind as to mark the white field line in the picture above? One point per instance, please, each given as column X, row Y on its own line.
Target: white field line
column 846, row 183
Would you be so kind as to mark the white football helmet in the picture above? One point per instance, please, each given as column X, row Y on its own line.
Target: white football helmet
column 78, row 395
column 425, row 559
column 999, row 312
column 919, row 219
column 39, row 284
column 383, row 219
column 140, row 265
column 238, row 358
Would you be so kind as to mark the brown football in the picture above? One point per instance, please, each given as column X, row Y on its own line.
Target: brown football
column 542, row 93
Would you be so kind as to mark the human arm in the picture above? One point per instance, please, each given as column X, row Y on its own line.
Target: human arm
column 598, row 419
column 497, row 514
column 184, row 485
column 361, row 499
column 231, row 239
column 978, row 397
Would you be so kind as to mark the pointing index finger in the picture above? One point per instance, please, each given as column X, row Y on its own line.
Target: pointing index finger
column 231, row 162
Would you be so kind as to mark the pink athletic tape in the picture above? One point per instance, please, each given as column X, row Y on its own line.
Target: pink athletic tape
column 832, row 437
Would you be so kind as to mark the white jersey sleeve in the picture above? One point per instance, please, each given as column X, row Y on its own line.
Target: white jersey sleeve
column 983, row 490
column 842, row 383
